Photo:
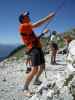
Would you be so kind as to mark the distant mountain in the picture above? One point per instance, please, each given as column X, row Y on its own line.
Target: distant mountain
column 6, row 49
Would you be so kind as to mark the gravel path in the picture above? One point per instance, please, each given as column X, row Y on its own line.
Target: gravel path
column 12, row 76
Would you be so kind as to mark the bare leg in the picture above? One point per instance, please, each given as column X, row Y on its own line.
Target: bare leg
column 30, row 77
column 52, row 56
column 40, row 70
column 55, row 51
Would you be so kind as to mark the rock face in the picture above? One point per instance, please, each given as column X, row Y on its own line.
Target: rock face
column 12, row 77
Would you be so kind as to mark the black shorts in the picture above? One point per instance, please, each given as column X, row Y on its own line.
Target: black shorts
column 37, row 57
column 54, row 45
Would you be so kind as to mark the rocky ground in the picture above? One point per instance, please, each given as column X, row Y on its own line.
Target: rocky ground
column 12, row 77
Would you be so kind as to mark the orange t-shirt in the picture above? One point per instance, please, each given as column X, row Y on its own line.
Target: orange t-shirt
column 28, row 36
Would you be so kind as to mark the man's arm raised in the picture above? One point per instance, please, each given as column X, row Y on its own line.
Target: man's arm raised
column 44, row 20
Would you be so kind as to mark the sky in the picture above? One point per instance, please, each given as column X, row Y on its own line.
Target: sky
column 10, row 10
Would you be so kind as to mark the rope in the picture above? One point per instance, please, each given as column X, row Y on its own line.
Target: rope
column 60, row 7
column 57, row 10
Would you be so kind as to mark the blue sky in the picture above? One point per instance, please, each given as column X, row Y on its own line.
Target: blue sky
column 10, row 10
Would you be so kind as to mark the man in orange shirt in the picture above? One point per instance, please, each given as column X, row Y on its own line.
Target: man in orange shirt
column 34, row 46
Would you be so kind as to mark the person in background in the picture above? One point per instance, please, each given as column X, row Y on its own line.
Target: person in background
column 54, row 47
column 34, row 46
column 70, row 69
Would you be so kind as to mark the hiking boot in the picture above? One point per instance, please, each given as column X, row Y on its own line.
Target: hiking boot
column 28, row 70
column 37, row 82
